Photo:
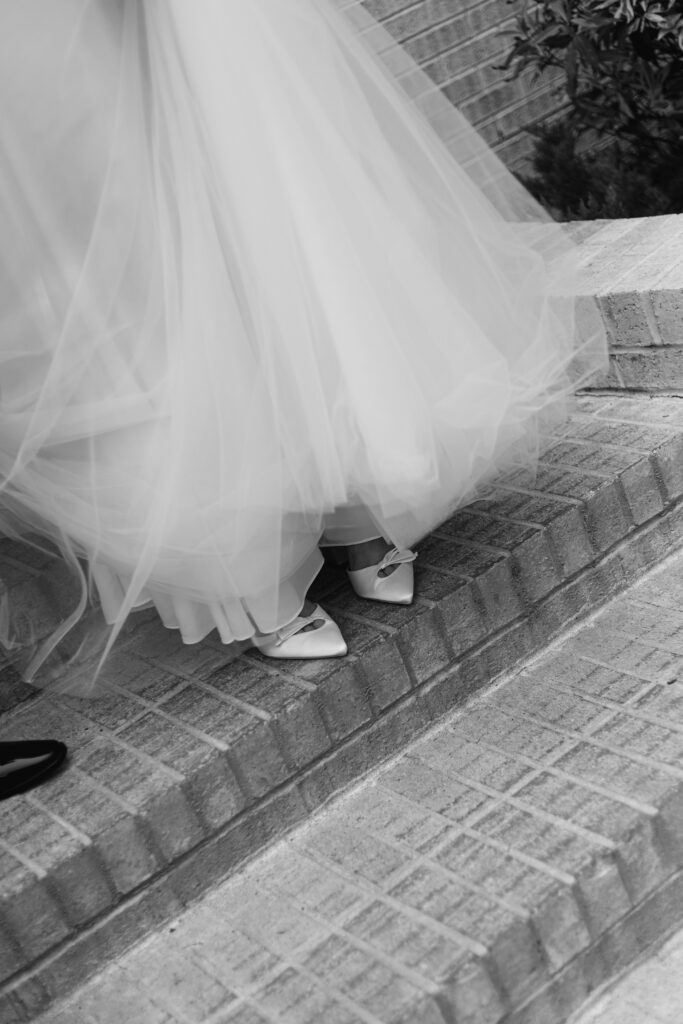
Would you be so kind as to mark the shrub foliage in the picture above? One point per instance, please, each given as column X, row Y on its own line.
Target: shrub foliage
column 622, row 64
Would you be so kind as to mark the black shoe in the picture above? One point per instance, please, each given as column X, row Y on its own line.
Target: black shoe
column 25, row 763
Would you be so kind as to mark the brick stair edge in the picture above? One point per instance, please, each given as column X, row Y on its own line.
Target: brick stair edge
column 59, row 973
column 624, row 553
column 634, row 268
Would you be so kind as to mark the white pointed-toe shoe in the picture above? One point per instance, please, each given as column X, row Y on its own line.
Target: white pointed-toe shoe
column 295, row 641
column 395, row 588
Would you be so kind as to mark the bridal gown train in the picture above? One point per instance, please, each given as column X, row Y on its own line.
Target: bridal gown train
column 259, row 281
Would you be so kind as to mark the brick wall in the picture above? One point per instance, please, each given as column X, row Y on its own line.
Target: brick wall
column 459, row 43
column 634, row 268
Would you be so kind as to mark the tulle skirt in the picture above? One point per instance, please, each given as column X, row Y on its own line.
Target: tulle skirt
column 261, row 287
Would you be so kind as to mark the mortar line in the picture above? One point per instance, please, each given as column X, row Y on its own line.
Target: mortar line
column 287, row 963
column 667, row 647
column 478, row 813
column 275, row 673
column 550, row 767
column 533, row 811
column 249, row 990
column 563, row 498
column 588, row 738
column 185, row 678
column 122, row 801
column 426, row 564
column 471, row 832
column 155, row 709
column 626, row 708
column 236, row 702
column 110, row 972
column 648, row 810
column 27, row 862
column 634, row 598
column 146, row 707
column 425, row 860
column 218, row 1016
column 557, row 873
column 631, row 673
column 35, row 801
column 468, row 827
column 602, row 622
column 585, row 442
column 175, row 1014
column 339, row 930
column 477, row 545
column 581, row 470
column 375, row 893
column 170, row 773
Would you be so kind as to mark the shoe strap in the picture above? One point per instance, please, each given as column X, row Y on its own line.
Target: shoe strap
column 295, row 626
column 397, row 556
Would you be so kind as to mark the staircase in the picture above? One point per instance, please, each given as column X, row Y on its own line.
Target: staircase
column 520, row 848
column 635, row 269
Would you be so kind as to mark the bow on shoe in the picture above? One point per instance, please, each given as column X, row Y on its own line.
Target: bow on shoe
column 294, row 627
column 294, row 641
column 396, row 556
column 394, row 587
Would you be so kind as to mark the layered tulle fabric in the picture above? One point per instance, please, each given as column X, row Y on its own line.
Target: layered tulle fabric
column 260, row 285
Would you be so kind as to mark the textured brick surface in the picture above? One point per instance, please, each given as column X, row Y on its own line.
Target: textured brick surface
column 461, row 47
column 635, row 270
column 652, row 993
column 193, row 757
column 500, row 869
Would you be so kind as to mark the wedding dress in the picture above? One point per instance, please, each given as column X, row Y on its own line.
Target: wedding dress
column 259, row 283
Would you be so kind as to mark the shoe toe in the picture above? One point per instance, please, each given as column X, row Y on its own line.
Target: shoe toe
column 325, row 641
column 395, row 588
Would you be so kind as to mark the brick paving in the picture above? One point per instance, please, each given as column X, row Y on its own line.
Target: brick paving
column 195, row 758
column 502, row 867
column 634, row 267
column 651, row 993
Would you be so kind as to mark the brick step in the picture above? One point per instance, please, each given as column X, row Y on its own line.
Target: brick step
column 197, row 757
column 635, row 269
column 497, row 871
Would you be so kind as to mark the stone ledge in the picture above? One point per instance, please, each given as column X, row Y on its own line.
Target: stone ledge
column 198, row 757
column 634, row 267
column 499, row 870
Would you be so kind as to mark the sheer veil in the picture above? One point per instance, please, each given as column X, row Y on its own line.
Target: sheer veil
column 260, row 283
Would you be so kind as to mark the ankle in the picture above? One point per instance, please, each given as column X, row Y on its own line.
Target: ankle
column 369, row 552
column 307, row 610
